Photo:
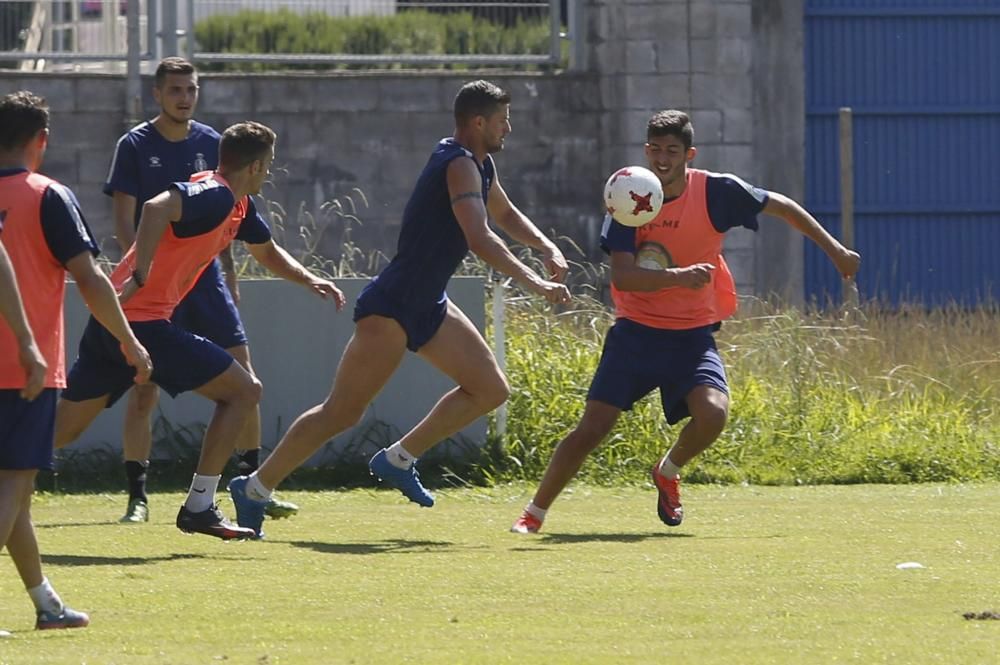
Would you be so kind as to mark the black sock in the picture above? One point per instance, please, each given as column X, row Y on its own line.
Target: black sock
column 248, row 461
column 136, row 472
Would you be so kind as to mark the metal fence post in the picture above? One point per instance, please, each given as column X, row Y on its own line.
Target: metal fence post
column 189, row 32
column 152, row 31
column 168, row 35
column 577, row 40
column 133, row 84
column 500, row 347
column 555, row 20
column 850, row 287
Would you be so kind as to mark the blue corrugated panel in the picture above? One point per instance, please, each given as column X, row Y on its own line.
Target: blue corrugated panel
column 923, row 80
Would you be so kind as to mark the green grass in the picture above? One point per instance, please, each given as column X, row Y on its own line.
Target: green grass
column 816, row 397
column 755, row 575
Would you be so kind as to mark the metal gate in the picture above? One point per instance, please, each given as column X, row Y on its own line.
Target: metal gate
column 923, row 80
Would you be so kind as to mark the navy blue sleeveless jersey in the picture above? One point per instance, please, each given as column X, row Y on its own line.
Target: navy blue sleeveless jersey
column 431, row 244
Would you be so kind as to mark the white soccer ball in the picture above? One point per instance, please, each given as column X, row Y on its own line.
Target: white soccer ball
column 633, row 196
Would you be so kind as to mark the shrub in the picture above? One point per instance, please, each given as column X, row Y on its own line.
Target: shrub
column 413, row 32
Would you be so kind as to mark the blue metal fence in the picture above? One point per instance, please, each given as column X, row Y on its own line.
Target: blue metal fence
column 923, row 80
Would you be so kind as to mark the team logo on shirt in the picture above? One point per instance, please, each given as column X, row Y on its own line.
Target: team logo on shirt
column 199, row 162
column 154, row 162
column 653, row 256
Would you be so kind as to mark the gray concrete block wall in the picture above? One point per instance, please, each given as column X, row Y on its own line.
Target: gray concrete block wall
column 735, row 65
column 694, row 55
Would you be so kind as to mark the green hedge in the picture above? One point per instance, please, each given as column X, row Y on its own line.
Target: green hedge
column 417, row 32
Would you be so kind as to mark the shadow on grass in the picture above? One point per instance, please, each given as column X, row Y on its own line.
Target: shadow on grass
column 83, row 560
column 64, row 525
column 383, row 547
column 571, row 538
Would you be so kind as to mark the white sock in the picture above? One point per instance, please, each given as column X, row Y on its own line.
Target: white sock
column 201, row 496
column 535, row 511
column 668, row 469
column 256, row 490
column 398, row 456
column 45, row 598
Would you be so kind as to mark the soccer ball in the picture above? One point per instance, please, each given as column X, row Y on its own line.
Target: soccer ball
column 633, row 196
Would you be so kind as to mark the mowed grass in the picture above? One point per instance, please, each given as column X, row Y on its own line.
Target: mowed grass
column 754, row 575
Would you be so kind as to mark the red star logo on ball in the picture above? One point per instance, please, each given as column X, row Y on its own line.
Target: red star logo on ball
column 641, row 202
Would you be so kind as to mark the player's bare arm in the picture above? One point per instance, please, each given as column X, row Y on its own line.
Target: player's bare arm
column 12, row 311
column 157, row 213
column 627, row 276
column 517, row 225
column 846, row 260
column 463, row 180
column 123, row 212
column 282, row 264
column 229, row 269
column 102, row 301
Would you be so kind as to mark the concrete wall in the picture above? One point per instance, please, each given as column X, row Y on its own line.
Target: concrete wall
column 296, row 341
column 362, row 138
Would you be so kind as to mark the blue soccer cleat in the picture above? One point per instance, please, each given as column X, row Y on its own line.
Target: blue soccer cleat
column 249, row 512
column 66, row 619
column 406, row 481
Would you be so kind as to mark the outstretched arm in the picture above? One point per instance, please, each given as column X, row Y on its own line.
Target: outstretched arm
column 12, row 311
column 517, row 225
column 281, row 263
column 846, row 260
column 465, row 192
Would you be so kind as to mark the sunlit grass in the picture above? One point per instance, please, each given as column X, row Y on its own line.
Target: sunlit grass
column 754, row 575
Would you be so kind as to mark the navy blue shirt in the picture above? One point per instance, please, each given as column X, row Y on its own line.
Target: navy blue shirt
column 431, row 243
column 206, row 204
column 731, row 202
column 65, row 230
column 145, row 163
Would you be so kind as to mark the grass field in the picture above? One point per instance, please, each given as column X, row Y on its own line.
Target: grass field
column 755, row 575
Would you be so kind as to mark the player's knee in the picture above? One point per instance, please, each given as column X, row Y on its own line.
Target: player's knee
column 711, row 417
column 143, row 400
column 496, row 394
column 337, row 416
column 253, row 391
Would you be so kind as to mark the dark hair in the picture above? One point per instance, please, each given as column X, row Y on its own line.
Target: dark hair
column 479, row 98
column 172, row 65
column 243, row 143
column 22, row 115
column 671, row 123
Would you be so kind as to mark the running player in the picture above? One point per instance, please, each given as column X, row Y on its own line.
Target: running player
column 148, row 158
column 42, row 227
column 405, row 307
column 181, row 231
column 672, row 289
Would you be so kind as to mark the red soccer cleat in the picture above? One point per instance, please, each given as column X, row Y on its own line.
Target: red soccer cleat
column 668, row 503
column 526, row 523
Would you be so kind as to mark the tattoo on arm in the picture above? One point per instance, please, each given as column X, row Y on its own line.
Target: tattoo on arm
column 466, row 195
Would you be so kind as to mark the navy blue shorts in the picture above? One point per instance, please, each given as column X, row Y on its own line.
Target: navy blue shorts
column 420, row 324
column 208, row 310
column 182, row 361
column 637, row 359
column 27, row 430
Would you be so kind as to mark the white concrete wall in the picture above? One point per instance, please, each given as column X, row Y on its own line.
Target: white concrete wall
column 296, row 341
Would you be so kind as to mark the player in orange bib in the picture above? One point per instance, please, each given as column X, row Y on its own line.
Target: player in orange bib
column 181, row 232
column 42, row 236
column 672, row 289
